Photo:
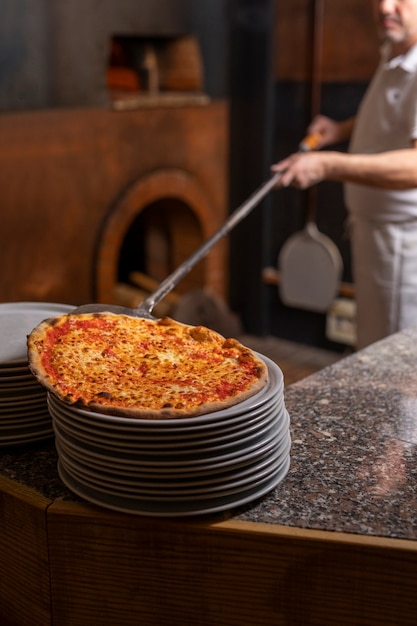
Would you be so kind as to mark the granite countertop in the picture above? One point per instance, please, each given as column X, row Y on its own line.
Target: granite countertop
column 354, row 449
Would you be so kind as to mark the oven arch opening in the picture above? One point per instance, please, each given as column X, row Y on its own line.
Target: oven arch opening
column 162, row 236
column 157, row 223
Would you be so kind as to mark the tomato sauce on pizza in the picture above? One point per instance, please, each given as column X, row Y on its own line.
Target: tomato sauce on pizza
column 135, row 367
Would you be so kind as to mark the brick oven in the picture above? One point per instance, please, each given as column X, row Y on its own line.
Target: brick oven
column 114, row 167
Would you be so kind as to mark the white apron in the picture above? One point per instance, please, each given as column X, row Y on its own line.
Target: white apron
column 385, row 277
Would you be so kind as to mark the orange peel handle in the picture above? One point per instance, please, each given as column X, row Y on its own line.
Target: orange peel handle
column 310, row 142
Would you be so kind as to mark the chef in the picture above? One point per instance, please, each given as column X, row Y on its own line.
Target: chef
column 380, row 177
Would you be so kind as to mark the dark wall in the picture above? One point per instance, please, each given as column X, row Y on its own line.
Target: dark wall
column 251, row 143
column 209, row 21
column 55, row 54
column 288, row 215
column 24, row 54
column 268, row 119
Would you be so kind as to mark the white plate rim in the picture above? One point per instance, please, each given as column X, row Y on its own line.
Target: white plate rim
column 123, row 506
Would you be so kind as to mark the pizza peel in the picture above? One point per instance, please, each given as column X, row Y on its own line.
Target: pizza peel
column 146, row 307
column 310, row 268
column 310, row 263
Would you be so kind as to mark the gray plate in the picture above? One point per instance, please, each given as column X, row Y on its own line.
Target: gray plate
column 17, row 320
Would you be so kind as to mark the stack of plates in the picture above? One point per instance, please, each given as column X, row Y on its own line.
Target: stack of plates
column 176, row 467
column 24, row 416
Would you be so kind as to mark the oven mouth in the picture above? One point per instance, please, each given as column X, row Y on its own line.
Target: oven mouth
column 162, row 236
column 157, row 224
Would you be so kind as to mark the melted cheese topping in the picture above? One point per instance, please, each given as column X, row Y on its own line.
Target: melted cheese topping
column 122, row 361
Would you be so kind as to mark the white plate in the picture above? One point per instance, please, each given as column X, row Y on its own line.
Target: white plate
column 155, row 474
column 26, row 409
column 28, row 437
column 11, row 392
column 227, row 488
column 31, row 417
column 20, row 378
column 162, row 460
column 158, row 482
column 170, row 490
column 22, row 425
column 159, row 476
column 178, row 446
column 23, row 401
column 15, row 374
column 115, row 463
column 159, row 473
column 201, row 453
column 178, row 439
column 196, row 507
column 17, row 320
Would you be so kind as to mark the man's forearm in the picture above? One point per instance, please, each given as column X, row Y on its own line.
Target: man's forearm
column 396, row 169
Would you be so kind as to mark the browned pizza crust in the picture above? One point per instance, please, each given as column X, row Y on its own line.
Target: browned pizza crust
column 142, row 369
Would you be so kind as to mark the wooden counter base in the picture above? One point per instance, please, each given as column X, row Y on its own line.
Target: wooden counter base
column 65, row 563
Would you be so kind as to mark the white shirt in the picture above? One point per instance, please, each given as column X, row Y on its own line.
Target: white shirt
column 386, row 120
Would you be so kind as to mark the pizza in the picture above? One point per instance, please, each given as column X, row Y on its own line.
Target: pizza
column 134, row 367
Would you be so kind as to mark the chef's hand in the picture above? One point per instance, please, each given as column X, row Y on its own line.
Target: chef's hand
column 305, row 169
column 302, row 170
column 327, row 131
